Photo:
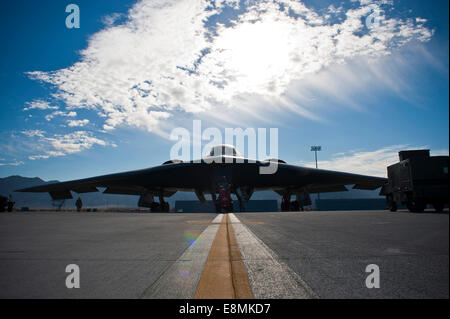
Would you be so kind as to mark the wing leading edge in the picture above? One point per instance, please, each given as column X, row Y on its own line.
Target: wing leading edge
column 128, row 183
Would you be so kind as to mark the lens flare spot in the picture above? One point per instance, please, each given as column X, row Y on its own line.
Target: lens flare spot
column 184, row 273
column 191, row 236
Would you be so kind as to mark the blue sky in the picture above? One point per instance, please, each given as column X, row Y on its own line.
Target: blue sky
column 104, row 98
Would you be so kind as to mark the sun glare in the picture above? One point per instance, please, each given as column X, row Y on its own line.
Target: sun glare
column 256, row 53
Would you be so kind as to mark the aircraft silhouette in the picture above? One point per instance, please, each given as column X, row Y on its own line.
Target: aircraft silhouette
column 223, row 167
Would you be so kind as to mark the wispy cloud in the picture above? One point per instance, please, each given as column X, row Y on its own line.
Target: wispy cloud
column 77, row 123
column 111, row 19
column 35, row 157
column 16, row 163
column 358, row 83
column 32, row 133
column 368, row 162
column 73, row 143
column 40, row 105
column 49, row 117
column 61, row 145
column 168, row 57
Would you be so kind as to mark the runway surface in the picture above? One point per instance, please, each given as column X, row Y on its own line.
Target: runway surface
column 271, row 255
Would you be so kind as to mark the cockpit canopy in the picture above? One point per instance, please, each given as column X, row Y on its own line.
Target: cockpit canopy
column 224, row 149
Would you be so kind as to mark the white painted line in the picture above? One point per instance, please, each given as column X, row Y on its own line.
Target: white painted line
column 269, row 277
column 180, row 280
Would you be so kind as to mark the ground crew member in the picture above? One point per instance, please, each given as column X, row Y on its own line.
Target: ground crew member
column 225, row 200
column 10, row 203
column 79, row 204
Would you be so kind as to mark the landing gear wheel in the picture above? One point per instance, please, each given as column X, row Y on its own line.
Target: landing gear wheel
column 295, row 206
column 165, row 207
column 155, row 207
column 393, row 207
column 284, row 206
column 438, row 207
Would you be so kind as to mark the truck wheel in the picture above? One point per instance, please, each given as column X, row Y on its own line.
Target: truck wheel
column 439, row 207
column 392, row 205
column 415, row 206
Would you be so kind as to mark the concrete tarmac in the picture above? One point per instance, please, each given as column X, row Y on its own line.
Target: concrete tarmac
column 122, row 255
column 119, row 254
column 331, row 250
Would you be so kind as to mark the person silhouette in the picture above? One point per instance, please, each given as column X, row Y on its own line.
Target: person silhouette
column 10, row 203
column 79, row 204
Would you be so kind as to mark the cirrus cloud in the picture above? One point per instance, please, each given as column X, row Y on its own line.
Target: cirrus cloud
column 15, row 163
column 64, row 144
column 170, row 57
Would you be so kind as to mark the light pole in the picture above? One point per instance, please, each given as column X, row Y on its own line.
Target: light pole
column 316, row 149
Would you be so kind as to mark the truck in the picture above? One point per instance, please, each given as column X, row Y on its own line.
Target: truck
column 416, row 181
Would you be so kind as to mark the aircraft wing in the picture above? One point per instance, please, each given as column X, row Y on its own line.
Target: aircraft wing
column 168, row 178
column 155, row 179
column 362, row 182
column 323, row 181
column 337, row 180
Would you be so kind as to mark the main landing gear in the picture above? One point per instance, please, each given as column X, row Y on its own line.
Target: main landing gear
column 148, row 200
column 162, row 206
column 293, row 206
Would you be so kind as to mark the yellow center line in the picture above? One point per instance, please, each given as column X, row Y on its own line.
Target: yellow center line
column 212, row 223
column 224, row 275
column 241, row 285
